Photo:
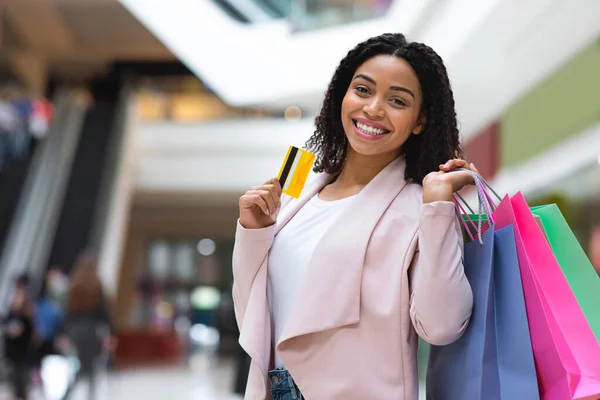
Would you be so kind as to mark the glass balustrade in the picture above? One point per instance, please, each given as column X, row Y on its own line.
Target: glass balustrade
column 315, row 14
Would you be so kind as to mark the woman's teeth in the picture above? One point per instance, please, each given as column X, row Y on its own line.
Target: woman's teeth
column 369, row 130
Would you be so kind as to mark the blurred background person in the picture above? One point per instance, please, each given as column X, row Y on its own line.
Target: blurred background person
column 56, row 287
column 8, row 123
column 49, row 314
column 87, row 318
column 21, row 136
column 18, row 331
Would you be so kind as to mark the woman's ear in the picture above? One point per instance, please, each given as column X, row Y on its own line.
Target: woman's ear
column 420, row 126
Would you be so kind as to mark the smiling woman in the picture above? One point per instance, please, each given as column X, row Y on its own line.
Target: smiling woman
column 331, row 289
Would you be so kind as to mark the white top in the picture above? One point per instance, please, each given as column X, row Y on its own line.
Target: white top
column 290, row 255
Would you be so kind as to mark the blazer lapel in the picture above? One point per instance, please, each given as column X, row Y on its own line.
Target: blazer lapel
column 330, row 295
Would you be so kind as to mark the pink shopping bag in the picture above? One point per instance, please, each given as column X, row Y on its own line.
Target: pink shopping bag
column 567, row 355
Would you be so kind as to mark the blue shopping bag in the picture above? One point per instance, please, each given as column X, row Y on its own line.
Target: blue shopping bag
column 518, row 378
column 493, row 360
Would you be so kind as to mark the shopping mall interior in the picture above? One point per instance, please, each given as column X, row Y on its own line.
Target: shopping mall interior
column 150, row 119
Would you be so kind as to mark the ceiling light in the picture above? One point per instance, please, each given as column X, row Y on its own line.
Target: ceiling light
column 293, row 113
column 206, row 247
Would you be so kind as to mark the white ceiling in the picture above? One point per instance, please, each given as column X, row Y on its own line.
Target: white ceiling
column 495, row 50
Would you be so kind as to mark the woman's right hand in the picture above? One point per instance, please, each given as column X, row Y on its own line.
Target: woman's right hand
column 259, row 205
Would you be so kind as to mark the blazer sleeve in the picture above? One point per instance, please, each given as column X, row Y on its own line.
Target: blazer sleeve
column 250, row 250
column 441, row 299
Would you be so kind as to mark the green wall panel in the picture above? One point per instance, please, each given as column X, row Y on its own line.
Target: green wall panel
column 561, row 106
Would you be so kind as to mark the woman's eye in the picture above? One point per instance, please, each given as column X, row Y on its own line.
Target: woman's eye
column 362, row 89
column 399, row 102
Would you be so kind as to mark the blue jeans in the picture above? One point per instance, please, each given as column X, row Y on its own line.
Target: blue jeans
column 283, row 386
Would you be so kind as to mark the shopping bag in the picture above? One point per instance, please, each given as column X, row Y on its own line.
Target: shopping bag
column 577, row 268
column 518, row 376
column 493, row 360
column 566, row 352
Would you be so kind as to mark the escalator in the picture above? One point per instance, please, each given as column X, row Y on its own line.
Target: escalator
column 77, row 217
column 52, row 210
column 12, row 179
column 30, row 191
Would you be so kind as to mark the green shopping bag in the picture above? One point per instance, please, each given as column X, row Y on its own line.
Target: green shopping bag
column 574, row 263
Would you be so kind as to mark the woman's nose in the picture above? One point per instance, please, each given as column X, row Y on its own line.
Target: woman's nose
column 373, row 109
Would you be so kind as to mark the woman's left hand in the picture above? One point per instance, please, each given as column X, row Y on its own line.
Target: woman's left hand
column 440, row 185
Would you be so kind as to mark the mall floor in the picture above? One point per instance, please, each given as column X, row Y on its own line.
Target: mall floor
column 205, row 378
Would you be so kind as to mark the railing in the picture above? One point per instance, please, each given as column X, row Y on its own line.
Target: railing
column 305, row 14
column 317, row 14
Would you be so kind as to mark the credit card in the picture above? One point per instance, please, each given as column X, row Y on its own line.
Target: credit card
column 295, row 170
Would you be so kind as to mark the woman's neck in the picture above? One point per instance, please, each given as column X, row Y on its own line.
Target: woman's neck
column 359, row 169
column 357, row 172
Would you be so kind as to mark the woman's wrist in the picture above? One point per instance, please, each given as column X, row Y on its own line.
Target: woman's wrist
column 437, row 192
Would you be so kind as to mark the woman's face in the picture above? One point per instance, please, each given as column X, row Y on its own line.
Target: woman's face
column 382, row 106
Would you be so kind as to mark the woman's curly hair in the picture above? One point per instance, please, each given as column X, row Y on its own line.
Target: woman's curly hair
column 437, row 143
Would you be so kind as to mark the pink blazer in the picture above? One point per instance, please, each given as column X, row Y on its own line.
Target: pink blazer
column 391, row 267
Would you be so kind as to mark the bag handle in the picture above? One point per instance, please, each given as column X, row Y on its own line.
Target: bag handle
column 485, row 186
column 485, row 200
column 459, row 209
